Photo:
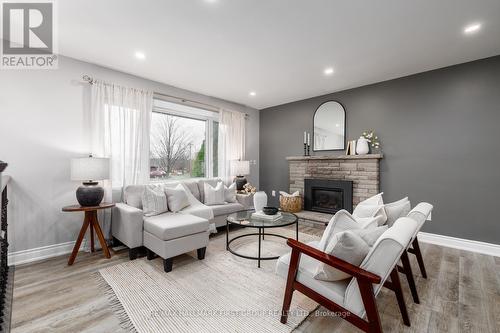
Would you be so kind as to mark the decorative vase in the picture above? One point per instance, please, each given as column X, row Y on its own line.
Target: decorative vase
column 259, row 201
column 362, row 147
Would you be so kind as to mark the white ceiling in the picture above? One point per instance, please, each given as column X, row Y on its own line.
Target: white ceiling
column 277, row 48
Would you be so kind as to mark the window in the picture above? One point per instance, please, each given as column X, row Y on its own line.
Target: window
column 184, row 142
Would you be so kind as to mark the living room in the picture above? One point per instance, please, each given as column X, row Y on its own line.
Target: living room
column 237, row 166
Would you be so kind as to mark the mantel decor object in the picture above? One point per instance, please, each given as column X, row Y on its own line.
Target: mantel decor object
column 89, row 170
column 240, row 169
column 307, row 144
column 362, row 147
column 372, row 138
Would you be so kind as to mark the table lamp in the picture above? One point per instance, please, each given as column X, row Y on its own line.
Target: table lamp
column 240, row 169
column 89, row 170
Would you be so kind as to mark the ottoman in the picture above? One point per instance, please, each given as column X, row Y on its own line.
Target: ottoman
column 171, row 234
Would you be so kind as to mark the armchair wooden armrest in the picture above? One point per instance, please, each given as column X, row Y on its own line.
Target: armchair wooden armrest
column 333, row 261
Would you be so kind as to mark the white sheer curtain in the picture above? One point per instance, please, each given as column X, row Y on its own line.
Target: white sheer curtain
column 120, row 121
column 231, row 141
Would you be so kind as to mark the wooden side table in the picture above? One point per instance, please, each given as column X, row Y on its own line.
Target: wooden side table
column 91, row 221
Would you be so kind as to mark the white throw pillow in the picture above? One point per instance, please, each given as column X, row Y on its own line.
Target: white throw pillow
column 214, row 196
column 371, row 235
column 341, row 221
column 371, row 222
column 347, row 246
column 397, row 209
column 374, row 200
column 230, row 193
column 177, row 198
column 368, row 210
column 154, row 201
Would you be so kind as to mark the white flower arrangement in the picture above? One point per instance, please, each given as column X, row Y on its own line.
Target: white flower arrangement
column 372, row 138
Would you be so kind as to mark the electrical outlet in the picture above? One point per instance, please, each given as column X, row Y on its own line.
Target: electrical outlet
column 273, row 193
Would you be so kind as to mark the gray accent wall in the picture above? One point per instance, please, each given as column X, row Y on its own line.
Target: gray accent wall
column 440, row 136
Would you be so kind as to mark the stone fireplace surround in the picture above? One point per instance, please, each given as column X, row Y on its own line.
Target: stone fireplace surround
column 362, row 170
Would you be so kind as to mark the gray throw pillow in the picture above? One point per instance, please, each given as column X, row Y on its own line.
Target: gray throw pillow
column 371, row 235
column 347, row 246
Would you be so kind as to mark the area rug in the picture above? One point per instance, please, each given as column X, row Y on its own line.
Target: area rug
column 222, row 293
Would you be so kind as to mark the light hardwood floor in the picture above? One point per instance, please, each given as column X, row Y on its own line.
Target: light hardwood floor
column 461, row 294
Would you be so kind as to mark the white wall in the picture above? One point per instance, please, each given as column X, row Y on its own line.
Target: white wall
column 42, row 128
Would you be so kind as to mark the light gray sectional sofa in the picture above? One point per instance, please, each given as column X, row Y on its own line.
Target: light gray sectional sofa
column 169, row 234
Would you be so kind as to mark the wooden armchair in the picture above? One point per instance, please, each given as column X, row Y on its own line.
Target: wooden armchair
column 420, row 214
column 357, row 296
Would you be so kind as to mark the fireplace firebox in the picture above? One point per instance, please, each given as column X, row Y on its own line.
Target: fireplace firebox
column 327, row 195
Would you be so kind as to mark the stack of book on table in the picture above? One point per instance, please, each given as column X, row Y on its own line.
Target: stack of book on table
column 260, row 215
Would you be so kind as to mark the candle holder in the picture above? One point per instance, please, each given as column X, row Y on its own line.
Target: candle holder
column 305, row 149
column 308, row 150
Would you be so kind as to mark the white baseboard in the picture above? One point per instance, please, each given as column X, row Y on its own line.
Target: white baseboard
column 40, row 253
column 45, row 252
column 460, row 243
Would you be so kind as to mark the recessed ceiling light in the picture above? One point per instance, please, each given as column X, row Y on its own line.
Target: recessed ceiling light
column 211, row 1
column 140, row 55
column 328, row 71
column 470, row 29
column 252, row 93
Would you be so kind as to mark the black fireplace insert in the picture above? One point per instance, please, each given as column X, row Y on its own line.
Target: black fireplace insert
column 327, row 195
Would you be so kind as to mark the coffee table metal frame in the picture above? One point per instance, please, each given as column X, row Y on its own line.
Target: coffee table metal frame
column 261, row 234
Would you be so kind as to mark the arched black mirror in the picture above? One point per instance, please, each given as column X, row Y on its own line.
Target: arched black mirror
column 329, row 127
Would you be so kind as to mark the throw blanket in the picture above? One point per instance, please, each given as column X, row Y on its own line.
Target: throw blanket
column 196, row 208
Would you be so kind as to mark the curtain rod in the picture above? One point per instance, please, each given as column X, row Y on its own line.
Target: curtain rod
column 90, row 80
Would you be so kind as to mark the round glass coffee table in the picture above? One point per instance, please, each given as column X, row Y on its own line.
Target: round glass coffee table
column 245, row 219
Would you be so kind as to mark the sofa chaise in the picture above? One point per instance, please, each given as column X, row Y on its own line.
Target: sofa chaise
column 171, row 233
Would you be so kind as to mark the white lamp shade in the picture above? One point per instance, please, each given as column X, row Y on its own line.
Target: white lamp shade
column 89, row 168
column 240, row 168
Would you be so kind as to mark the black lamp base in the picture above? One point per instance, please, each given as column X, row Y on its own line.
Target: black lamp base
column 89, row 194
column 240, row 182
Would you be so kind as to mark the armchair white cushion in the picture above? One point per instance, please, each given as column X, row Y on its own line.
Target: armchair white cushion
column 420, row 214
column 334, row 291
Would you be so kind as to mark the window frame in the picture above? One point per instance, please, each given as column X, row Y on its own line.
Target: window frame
column 190, row 113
